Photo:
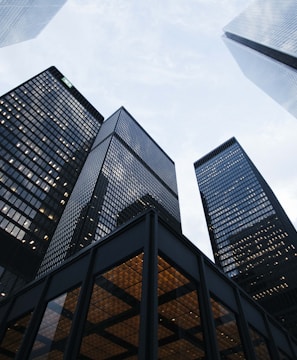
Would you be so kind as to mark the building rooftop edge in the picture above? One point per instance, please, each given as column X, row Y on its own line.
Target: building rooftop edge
column 215, row 152
column 154, row 141
column 128, row 225
column 72, row 90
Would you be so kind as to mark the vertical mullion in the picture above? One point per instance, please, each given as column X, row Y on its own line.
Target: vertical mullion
column 212, row 350
column 4, row 323
column 271, row 343
column 82, row 306
column 244, row 328
column 148, row 348
column 31, row 331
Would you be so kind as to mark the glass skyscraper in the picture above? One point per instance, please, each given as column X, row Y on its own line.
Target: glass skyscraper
column 125, row 173
column 263, row 41
column 252, row 238
column 23, row 20
column 47, row 130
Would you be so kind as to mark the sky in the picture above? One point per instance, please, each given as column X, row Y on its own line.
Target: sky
column 166, row 63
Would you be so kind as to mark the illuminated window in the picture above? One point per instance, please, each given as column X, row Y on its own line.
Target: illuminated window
column 112, row 327
column 228, row 337
column 180, row 333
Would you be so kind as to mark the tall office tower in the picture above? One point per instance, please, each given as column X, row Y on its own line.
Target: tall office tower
column 263, row 41
column 125, row 172
column 47, row 129
column 23, row 20
column 252, row 238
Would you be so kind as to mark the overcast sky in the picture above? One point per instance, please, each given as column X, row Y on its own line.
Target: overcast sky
column 165, row 61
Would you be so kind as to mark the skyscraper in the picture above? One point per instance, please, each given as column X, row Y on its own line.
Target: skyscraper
column 252, row 238
column 24, row 19
column 125, row 173
column 263, row 41
column 47, row 129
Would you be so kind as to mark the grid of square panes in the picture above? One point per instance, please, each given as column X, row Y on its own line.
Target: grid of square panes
column 246, row 223
column 13, row 337
column 114, row 186
column 17, row 19
column 76, row 227
column 112, row 324
column 128, row 179
column 274, row 32
column 234, row 196
column 55, row 326
column 147, row 149
column 45, row 135
column 228, row 337
column 259, row 345
column 180, row 333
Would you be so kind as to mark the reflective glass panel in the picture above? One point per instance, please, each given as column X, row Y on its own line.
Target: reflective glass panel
column 55, row 327
column 228, row 337
column 260, row 345
column 112, row 325
column 13, row 337
column 180, row 333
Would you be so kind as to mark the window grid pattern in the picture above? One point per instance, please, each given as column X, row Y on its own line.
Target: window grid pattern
column 252, row 238
column 45, row 137
column 241, row 219
column 74, row 215
column 115, row 185
column 129, row 180
column 19, row 19
column 45, row 142
column 107, row 128
column 276, row 30
column 234, row 197
column 147, row 149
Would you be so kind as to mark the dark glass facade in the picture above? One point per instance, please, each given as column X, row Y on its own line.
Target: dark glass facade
column 125, row 173
column 263, row 42
column 253, row 240
column 47, row 130
column 144, row 292
column 23, row 20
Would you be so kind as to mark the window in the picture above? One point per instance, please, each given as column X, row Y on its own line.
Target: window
column 259, row 345
column 55, row 327
column 180, row 333
column 13, row 337
column 112, row 326
column 228, row 337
